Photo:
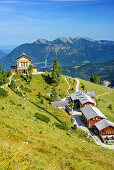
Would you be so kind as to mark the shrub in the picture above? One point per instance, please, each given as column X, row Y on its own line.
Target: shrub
column 110, row 106
column 13, row 85
column 83, row 86
column 19, row 93
column 42, row 101
column 42, row 117
column 3, row 93
column 25, row 89
column 71, row 105
column 62, row 126
column 39, row 95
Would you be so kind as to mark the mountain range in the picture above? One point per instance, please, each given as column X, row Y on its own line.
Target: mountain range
column 69, row 51
column 2, row 54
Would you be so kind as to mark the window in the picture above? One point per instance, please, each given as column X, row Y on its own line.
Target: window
column 19, row 64
column 23, row 64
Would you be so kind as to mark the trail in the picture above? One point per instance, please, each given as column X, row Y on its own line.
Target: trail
column 68, row 85
column 7, row 83
column 104, row 94
column 77, row 85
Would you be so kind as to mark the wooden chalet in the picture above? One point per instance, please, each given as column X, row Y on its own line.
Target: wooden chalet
column 23, row 63
column 81, row 98
column 91, row 115
column 104, row 127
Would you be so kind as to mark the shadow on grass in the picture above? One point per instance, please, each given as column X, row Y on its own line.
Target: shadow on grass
column 47, row 98
column 47, row 79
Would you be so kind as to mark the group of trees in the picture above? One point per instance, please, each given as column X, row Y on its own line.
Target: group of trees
column 4, row 76
column 95, row 79
column 56, row 77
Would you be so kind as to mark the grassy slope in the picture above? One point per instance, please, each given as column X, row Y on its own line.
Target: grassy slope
column 38, row 84
column 72, row 83
column 47, row 147
column 103, row 100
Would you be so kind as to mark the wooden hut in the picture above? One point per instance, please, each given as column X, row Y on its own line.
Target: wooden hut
column 104, row 127
column 91, row 115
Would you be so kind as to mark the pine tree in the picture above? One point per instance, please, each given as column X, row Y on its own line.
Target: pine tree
column 98, row 80
column 95, row 79
column 92, row 78
column 56, row 74
column 54, row 95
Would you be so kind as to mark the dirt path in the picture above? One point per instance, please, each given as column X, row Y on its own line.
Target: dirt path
column 68, row 85
column 77, row 85
column 7, row 83
column 104, row 94
column 77, row 119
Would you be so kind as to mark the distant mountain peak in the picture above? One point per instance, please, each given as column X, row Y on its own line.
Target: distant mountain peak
column 85, row 38
column 89, row 39
column 41, row 41
column 66, row 39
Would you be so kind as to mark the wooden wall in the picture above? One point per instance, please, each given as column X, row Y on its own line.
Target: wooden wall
column 88, row 103
column 107, row 131
column 94, row 120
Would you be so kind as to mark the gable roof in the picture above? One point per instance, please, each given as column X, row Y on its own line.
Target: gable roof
column 90, row 93
column 59, row 103
column 82, row 97
column 90, row 112
column 102, row 124
column 76, row 95
column 24, row 56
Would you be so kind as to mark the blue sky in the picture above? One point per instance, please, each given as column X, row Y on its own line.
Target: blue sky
column 24, row 21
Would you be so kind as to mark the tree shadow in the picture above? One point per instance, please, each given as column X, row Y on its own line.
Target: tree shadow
column 47, row 98
column 47, row 79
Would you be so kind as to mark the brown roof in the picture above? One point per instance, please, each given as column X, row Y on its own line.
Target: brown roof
column 24, row 55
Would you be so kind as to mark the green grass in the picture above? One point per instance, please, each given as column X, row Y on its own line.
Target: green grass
column 28, row 143
column 104, row 100
column 72, row 83
column 38, row 84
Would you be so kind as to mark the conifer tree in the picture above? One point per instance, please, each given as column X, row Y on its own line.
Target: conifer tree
column 95, row 79
column 56, row 74
column 54, row 95
column 92, row 78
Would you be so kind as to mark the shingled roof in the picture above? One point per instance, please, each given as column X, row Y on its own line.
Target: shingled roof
column 102, row 124
column 82, row 97
column 90, row 93
column 59, row 103
column 76, row 95
column 90, row 112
